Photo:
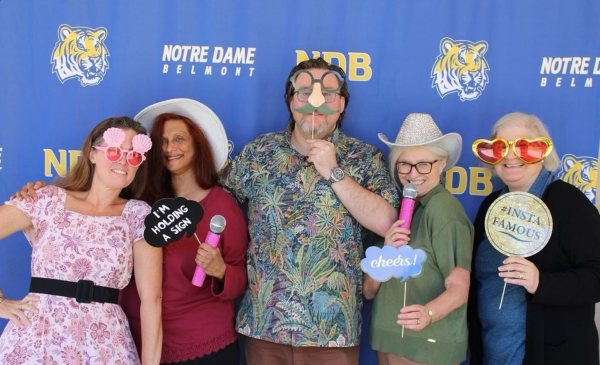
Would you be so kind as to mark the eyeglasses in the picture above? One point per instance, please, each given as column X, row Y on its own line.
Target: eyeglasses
column 303, row 96
column 333, row 78
column 421, row 167
column 114, row 154
column 529, row 151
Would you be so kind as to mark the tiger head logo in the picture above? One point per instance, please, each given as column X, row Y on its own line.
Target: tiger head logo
column 80, row 53
column 582, row 172
column 460, row 68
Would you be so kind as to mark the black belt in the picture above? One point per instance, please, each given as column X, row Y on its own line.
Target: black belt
column 84, row 291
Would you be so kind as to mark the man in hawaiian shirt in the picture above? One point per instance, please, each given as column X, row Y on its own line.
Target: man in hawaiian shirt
column 310, row 191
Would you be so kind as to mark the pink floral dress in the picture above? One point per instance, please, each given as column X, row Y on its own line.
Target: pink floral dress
column 70, row 246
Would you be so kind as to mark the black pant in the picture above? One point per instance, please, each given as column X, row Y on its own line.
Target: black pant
column 230, row 355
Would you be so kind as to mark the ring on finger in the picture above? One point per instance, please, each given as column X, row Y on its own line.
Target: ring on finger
column 418, row 321
column 521, row 275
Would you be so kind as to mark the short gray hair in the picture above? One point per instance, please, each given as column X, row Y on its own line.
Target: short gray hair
column 535, row 125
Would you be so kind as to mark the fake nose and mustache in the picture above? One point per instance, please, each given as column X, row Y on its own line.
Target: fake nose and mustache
column 316, row 101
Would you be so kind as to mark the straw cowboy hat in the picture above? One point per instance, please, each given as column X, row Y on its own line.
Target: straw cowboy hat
column 419, row 129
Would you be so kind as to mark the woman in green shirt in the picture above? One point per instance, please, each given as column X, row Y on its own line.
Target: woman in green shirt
column 435, row 314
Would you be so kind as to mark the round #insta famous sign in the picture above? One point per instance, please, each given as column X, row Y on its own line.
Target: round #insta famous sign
column 518, row 224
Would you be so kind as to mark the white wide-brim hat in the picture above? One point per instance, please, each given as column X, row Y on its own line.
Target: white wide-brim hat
column 197, row 112
column 419, row 129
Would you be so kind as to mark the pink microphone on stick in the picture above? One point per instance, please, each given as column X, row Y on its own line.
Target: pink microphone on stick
column 408, row 204
column 217, row 225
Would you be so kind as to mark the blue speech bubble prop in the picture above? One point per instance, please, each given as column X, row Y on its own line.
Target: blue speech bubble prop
column 384, row 263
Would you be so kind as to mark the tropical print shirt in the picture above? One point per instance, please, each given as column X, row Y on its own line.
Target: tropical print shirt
column 304, row 276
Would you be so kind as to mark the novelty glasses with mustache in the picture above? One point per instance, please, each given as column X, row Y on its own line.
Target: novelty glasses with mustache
column 527, row 150
column 316, row 95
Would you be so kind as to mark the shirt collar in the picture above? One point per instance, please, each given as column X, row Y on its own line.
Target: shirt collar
column 427, row 197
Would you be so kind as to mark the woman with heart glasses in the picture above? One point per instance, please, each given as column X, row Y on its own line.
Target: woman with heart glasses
column 86, row 241
column 548, row 311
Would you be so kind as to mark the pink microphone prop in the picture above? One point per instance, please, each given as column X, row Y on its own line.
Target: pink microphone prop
column 408, row 204
column 217, row 225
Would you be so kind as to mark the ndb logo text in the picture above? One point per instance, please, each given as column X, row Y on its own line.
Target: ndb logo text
column 460, row 68
column 80, row 53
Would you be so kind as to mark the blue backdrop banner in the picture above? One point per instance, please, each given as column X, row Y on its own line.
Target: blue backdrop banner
column 466, row 62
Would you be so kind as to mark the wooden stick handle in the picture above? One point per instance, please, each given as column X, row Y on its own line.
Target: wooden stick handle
column 501, row 299
column 404, row 306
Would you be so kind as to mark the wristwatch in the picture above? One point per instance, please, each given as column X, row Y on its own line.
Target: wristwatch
column 336, row 175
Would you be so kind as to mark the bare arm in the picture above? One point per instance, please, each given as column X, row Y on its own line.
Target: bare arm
column 12, row 220
column 370, row 286
column 369, row 209
column 416, row 317
column 147, row 265
column 456, row 294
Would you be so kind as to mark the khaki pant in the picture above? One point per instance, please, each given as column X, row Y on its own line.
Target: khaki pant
column 259, row 352
column 384, row 358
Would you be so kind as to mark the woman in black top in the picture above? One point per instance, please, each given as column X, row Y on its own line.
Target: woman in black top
column 551, row 319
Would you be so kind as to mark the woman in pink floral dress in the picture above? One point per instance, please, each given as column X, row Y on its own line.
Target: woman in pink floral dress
column 86, row 240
